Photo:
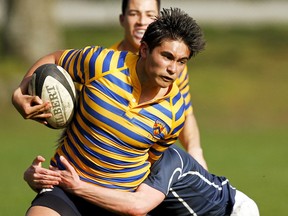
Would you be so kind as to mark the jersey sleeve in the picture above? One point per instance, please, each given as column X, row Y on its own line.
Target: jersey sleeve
column 183, row 85
column 86, row 64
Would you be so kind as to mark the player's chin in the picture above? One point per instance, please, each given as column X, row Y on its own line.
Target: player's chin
column 164, row 84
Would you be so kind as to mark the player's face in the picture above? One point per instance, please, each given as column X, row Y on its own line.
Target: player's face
column 139, row 14
column 165, row 62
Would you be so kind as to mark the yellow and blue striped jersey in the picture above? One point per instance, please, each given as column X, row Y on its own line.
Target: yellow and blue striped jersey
column 182, row 82
column 111, row 135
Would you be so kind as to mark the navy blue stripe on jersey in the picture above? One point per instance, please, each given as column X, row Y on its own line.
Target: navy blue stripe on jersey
column 119, row 127
column 152, row 116
column 115, row 179
column 180, row 112
column 66, row 57
column 185, row 95
column 115, row 80
column 122, row 129
column 160, row 143
column 187, row 106
column 57, row 162
column 97, row 155
column 83, row 58
column 103, row 133
column 163, row 143
column 92, row 69
column 126, row 72
column 177, row 98
column 122, row 58
column 97, row 142
column 104, row 185
column 184, row 80
column 158, row 107
column 77, row 78
column 155, row 152
column 144, row 126
column 107, row 61
column 178, row 128
column 107, row 92
column 99, row 168
column 107, row 106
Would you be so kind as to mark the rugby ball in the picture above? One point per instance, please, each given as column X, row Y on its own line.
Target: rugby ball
column 52, row 83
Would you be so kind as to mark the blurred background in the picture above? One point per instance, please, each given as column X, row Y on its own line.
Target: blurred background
column 238, row 86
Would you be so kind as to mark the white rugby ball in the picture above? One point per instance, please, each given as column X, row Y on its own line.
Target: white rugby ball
column 52, row 83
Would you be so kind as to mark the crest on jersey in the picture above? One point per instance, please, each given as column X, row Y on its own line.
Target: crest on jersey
column 158, row 128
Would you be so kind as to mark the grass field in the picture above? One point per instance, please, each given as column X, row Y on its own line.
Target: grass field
column 240, row 96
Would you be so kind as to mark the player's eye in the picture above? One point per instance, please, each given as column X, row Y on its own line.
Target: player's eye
column 183, row 61
column 151, row 15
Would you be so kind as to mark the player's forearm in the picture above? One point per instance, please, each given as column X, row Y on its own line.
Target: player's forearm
column 52, row 58
column 123, row 203
column 190, row 139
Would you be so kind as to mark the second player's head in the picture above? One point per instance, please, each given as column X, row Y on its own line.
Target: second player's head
column 135, row 18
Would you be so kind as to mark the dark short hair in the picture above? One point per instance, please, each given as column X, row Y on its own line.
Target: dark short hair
column 175, row 24
column 125, row 4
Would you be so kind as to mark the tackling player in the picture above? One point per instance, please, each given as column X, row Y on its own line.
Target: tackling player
column 177, row 185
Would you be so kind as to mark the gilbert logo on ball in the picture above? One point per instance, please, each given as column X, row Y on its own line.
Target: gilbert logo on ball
column 52, row 83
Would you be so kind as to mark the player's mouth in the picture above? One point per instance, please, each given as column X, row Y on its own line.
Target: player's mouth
column 139, row 33
column 167, row 79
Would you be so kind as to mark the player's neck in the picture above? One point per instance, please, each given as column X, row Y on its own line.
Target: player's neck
column 124, row 45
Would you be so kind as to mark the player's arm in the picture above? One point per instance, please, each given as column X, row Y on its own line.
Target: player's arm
column 32, row 107
column 190, row 136
column 124, row 203
column 190, row 139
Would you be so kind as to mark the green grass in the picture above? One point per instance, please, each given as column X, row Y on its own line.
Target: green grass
column 239, row 90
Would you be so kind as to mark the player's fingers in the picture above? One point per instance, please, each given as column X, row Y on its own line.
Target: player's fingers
column 40, row 113
column 66, row 164
column 35, row 112
column 36, row 109
column 45, row 107
column 38, row 160
column 45, row 183
column 35, row 100
column 47, row 178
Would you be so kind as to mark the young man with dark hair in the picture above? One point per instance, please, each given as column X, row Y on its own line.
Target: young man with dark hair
column 135, row 17
column 137, row 90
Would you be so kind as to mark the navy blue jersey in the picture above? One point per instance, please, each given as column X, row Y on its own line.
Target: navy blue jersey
column 189, row 188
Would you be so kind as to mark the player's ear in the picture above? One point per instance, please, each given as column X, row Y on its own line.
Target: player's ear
column 121, row 19
column 143, row 49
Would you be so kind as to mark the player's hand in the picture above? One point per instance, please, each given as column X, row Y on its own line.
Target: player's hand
column 38, row 177
column 70, row 180
column 31, row 107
